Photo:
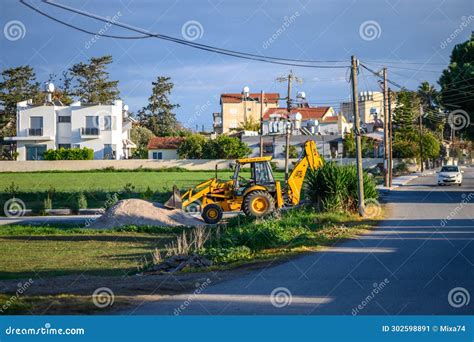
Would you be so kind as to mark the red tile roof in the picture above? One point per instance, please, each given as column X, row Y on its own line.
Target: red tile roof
column 315, row 113
column 165, row 143
column 237, row 97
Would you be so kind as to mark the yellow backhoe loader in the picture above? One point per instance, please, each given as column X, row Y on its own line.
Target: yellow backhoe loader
column 257, row 196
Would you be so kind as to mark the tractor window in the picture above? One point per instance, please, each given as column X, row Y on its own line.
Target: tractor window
column 262, row 173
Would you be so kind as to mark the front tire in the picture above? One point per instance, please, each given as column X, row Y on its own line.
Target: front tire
column 212, row 213
column 258, row 204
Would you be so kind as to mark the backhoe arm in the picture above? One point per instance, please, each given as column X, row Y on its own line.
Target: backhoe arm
column 310, row 158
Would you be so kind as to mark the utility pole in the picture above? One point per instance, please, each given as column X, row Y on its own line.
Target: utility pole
column 390, row 143
column 290, row 78
column 355, row 103
column 261, row 123
column 385, row 129
column 421, row 138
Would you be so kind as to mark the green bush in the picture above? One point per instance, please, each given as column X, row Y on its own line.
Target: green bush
column 225, row 255
column 69, row 154
column 47, row 204
column 110, row 200
column 333, row 187
column 81, row 202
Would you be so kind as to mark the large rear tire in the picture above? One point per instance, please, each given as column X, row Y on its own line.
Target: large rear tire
column 212, row 213
column 258, row 204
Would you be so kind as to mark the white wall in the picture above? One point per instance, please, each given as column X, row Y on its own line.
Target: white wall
column 166, row 154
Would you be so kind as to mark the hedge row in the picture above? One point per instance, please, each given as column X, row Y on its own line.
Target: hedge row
column 69, row 154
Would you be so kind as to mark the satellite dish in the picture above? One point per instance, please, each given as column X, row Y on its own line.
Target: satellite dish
column 125, row 108
column 50, row 87
column 301, row 95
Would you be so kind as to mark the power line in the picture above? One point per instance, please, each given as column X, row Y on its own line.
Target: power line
column 148, row 34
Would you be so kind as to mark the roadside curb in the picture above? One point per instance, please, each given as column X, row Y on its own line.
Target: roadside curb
column 403, row 180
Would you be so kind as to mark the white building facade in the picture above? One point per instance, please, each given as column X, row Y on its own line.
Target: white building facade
column 103, row 128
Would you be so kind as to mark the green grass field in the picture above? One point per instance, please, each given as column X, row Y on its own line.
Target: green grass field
column 106, row 181
column 32, row 251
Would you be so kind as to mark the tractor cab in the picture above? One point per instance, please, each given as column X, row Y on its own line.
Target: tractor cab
column 260, row 174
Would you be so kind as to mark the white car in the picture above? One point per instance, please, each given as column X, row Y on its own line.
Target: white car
column 450, row 174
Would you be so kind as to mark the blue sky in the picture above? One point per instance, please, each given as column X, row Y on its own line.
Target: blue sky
column 406, row 32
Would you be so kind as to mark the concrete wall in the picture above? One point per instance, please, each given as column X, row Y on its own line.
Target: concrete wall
column 132, row 164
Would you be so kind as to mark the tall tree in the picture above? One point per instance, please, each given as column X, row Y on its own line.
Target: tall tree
column 18, row 84
column 457, row 82
column 92, row 81
column 158, row 115
column 406, row 111
column 428, row 96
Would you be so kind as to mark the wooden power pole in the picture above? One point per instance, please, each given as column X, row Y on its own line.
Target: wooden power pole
column 261, row 123
column 355, row 103
column 290, row 78
column 385, row 130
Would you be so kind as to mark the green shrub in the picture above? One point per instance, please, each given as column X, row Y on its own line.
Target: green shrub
column 148, row 194
column 110, row 200
column 220, row 255
column 69, row 154
column 333, row 187
column 47, row 204
column 81, row 202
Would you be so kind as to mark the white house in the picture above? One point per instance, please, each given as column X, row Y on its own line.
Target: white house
column 164, row 147
column 103, row 128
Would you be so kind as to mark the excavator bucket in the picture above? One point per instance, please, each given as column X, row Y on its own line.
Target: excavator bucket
column 174, row 201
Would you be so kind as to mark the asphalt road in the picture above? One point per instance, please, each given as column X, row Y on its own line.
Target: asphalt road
column 408, row 265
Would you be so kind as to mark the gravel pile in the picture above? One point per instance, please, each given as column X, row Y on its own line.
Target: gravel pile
column 143, row 213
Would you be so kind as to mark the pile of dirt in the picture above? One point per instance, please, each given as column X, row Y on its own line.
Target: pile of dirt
column 143, row 213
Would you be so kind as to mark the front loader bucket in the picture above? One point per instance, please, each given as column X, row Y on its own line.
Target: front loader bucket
column 175, row 200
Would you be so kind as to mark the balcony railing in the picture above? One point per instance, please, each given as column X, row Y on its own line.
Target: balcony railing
column 90, row 131
column 36, row 132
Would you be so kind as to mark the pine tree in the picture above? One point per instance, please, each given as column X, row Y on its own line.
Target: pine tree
column 92, row 81
column 158, row 115
column 18, row 84
column 406, row 111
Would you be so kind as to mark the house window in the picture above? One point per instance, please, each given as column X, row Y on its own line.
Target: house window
column 64, row 119
column 157, row 155
column 65, row 146
column 76, row 145
column 36, row 126
column 35, row 152
column 109, row 123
